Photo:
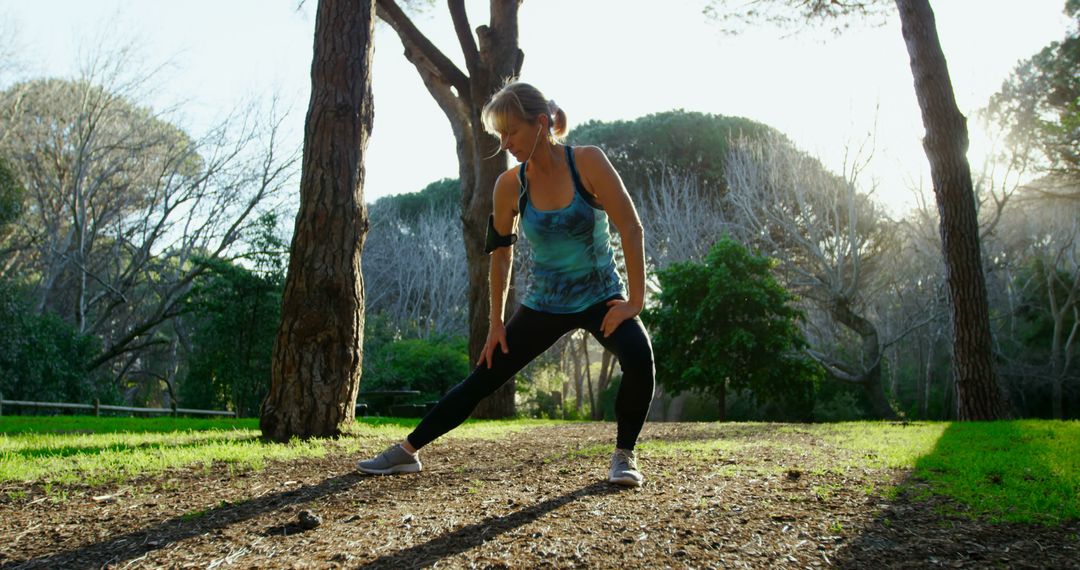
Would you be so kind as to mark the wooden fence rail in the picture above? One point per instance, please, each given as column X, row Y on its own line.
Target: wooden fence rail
column 98, row 407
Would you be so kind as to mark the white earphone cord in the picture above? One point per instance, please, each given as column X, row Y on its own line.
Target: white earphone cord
column 535, row 142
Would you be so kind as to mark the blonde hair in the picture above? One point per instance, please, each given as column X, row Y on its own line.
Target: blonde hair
column 517, row 100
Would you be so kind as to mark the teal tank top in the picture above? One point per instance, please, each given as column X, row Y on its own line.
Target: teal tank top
column 573, row 262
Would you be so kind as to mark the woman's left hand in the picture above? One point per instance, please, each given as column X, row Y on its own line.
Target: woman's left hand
column 618, row 311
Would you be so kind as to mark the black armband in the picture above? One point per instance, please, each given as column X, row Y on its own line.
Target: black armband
column 494, row 240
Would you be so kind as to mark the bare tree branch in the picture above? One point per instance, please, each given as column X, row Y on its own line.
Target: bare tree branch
column 464, row 35
column 415, row 41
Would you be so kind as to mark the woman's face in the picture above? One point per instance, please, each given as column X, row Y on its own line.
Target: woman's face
column 520, row 138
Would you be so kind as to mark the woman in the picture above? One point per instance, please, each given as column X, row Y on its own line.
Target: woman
column 563, row 196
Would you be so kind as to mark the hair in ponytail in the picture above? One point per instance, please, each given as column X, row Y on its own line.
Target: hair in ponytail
column 517, row 100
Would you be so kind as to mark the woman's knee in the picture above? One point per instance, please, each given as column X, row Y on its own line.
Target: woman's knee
column 635, row 351
column 480, row 384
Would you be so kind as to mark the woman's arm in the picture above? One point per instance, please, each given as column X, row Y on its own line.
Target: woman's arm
column 600, row 178
column 502, row 259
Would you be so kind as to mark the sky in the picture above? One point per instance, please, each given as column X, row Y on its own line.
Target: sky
column 598, row 59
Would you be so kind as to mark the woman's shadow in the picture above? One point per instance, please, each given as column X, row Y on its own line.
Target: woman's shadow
column 468, row 537
column 140, row 542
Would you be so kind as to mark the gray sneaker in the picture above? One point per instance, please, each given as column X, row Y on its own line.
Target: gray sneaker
column 394, row 460
column 624, row 469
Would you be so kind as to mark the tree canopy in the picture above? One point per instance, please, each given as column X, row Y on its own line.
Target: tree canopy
column 728, row 324
column 1038, row 106
column 644, row 149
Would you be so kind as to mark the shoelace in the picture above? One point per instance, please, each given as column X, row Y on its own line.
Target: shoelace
column 625, row 461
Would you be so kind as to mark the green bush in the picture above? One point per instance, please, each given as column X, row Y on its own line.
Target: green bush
column 607, row 398
column 235, row 313
column 539, row 391
column 43, row 358
column 11, row 196
column 727, row 324
column 432, row 365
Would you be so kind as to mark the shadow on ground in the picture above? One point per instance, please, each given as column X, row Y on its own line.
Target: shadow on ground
column 134, row 544
column 920, row 529
column 466, row 538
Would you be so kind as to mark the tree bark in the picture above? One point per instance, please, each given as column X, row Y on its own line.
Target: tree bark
column 978, row 394
column 870, row 380
column 721, row 401
column 489, row 62
column 318, row 350
column 593, row 404
column 579, row 383
column 1061, row 342
column 607, row 369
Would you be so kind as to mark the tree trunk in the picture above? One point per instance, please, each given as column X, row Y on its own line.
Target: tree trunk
column 675, row 408
column 491, row 58
column 978, row 395
column 579, row 383
column 920, row 377
column 588, row 375
column 1061, row 342
column 318, row 350
column 721, row 399
column 607, row 366
column 1057, row 353
column 870, row 380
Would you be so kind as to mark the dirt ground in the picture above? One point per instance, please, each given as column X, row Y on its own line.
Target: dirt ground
column 522, row 502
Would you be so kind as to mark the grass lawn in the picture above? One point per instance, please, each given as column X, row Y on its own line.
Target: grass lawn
column 1017, row 471
column 92, row 450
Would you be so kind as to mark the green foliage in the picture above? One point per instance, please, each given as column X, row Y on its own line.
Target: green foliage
column 727, row 324
column 539, row 391
column 42, row 358
column 542, row 405
column 11, row 196
column 391, row 362
column 836, row 402
column 441, row 195
column 607, row 397
column 1029, row 346
column 679, row 141
column 1035, row 326
column 1039, row 104
column 235, row 313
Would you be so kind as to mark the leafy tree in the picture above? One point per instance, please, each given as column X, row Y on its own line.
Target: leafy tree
column 42, row 358
column 439, row 196
column 1039, row 107
column 432, row 365
column 831, row 243
column 119, row 204
column 235, row 313
column 978, row 395
column 727, row 324
column 10, row 198
column 684, row 142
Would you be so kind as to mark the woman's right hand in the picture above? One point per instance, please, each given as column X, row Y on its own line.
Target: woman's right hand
column 496, row 337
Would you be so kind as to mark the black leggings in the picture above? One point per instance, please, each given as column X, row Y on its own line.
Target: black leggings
column 528, row 334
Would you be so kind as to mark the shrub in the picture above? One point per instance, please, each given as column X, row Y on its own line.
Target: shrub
column 728, row 324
